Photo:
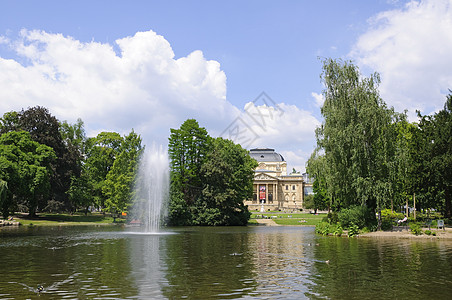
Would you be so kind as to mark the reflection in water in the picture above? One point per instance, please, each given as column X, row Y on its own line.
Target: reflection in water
column 147, row 271
column 383, row 268
column 219, row 262
column 203, row 263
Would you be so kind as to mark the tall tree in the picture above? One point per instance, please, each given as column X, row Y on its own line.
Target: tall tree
column 316, row 168
column 101, row 154
column 436, row 153
column 45, row 129
column 228, row 174
column 352, row 136
column 188, row 147
column 25, row 166
column 119, row 180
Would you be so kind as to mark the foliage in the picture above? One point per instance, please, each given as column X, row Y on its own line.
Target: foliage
column 325, row 228
column 228, row 174
column 353, row 230
column 119, row 180
column 331, row 218
column 415, row 228
column 316, row 168
column 360, row 216
column 25, row 166
column 101, row 154
column 354, row 137
column 188, row 147
column 434, row 159
column 210, row 178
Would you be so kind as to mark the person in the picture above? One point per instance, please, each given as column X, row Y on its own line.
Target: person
column 402, row 221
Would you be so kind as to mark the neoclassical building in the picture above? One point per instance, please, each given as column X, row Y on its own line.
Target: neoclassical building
column 273, row 189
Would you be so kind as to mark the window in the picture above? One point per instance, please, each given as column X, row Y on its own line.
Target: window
column 287, row 187
column 293, row 187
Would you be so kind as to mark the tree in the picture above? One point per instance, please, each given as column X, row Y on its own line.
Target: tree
column 187, row 148
column 316, row 168
column 45, row 129
column 118, row 184
column 25, row 166
column 228, row 174
column 101, row 153
column 352, row 136
column 435, row 150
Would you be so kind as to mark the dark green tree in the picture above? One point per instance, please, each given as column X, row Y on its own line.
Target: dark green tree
column 436, row 155
column 119, row 180
column 228, row 174
column 188, row 147
column 101, row 153
column 26, row 167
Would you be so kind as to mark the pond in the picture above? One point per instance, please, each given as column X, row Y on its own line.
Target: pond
column 253, row 262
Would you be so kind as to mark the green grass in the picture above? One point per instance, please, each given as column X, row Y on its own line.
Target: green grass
column 306, row 219
column 66, row 219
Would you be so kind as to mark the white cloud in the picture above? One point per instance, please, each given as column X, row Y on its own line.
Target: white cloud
column 411, row 49
column 286, row 128
column 318, row 98
column 141, row 86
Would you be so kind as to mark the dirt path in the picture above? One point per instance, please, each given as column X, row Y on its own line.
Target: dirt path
column 405, row 233
column 267, row 222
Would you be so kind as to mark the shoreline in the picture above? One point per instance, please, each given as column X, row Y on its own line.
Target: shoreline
column 406, row 234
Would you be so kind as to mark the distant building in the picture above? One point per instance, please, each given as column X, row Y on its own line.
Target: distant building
column 273, row 189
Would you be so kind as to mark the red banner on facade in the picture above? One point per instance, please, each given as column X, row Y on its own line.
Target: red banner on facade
column 262, row 192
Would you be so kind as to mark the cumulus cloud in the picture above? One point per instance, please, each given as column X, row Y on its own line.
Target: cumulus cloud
column 138, row 83
column 318, row 98
column 411, row 49
column 287, row 128
column 144, row 87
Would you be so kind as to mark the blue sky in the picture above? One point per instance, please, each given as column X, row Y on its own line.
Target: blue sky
column 150, row 65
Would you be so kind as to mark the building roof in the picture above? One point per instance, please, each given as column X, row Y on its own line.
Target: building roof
column 266, row 154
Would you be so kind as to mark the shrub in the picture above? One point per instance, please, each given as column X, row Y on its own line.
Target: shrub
column 386, row 223
column 415, row 229
column 322, row 228
column 331, row 218
column 360, row 216
column 338, row 230
column 353, row 230
column 428, row 232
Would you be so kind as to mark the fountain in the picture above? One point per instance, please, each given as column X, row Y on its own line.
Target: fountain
column 151, row 189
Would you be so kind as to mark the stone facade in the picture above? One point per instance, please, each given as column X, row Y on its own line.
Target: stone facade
column 273, row 189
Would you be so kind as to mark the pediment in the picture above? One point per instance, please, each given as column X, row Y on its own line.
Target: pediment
column 263, row 176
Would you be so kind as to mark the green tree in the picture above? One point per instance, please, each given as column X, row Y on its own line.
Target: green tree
column 352, row 136
column 119, row 180
column 435, row 149
column 316, row 168
column 45, row 129
column 101, row 153
column 26, row 167
column 228, row 174
column 187, row 148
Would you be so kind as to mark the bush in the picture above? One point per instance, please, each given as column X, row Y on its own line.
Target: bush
column 360, row 216
column 331, row 218
column 322, row 228
column 353, row 230
column 415, row 229
column 428, row 232
column 325, row 228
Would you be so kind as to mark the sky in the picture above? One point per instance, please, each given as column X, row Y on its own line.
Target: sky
column 245, row 70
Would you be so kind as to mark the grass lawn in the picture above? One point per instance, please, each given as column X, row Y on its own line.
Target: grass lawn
column 66, row 219
column 290, row 218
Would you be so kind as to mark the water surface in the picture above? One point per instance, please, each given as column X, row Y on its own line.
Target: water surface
column 218, row 263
